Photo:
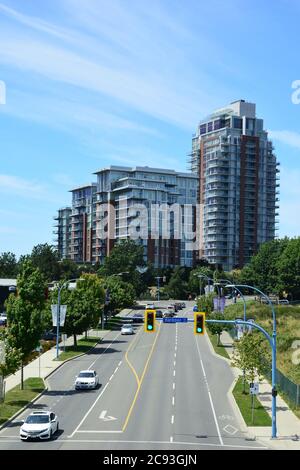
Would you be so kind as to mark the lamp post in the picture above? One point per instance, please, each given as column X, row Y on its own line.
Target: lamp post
column 241, row 294
column 274, row 352
column 158, row 278
column 58, row 312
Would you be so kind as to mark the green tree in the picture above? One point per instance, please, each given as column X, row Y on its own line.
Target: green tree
column 126, row 256
column 205, row 303
column 8, row 265
column 195, row 281
column 84, row 305
column 12, row 356
column 25, row 311
column 288, row 266
column 250, row 355
column 216, row 328
column 46, row 258
column 177, row 287
column 122, row 294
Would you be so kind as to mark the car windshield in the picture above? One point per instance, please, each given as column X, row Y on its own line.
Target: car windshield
column 86, row 374
column 37, row 419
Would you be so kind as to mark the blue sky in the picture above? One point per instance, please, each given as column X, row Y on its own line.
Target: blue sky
column 91, row 83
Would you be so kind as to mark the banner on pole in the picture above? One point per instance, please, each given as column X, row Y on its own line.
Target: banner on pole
column 63, row 312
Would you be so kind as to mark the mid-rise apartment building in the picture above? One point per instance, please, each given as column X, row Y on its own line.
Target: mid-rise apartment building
column 155, row 207
column 62, row 232
column 238, row 184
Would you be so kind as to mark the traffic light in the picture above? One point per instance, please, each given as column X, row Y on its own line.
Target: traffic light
column 150, row 321
column 199, row 323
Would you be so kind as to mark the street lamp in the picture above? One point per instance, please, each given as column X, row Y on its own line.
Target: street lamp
column 273, row 345
column 158, row 278
column 241, row 294
column 58, row 311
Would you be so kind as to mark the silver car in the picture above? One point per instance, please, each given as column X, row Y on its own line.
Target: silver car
column 127, row 330
column 87, row 380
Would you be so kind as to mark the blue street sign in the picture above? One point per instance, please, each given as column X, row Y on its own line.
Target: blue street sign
column 175, row 320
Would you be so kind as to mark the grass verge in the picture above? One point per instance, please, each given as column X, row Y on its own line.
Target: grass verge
column 221, row 350
column 16, row 399
column 83, row 346
column 244, row 402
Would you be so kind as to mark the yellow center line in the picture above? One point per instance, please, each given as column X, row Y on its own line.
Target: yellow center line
column 140, row 381
column 127, row 359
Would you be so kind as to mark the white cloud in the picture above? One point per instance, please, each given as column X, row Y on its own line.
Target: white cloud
column 17, row 185
column 286, row 137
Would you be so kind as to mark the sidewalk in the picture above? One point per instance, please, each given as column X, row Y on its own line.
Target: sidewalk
column 288, row 425
column 46, row 363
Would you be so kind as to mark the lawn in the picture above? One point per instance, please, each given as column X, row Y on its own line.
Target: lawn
column 261, row 417
column 83, row 346
column 288, row 331
column 16, row 399
column 218, row 349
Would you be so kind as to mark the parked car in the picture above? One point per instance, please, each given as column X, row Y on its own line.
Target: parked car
column 50, row 336
column 39, row 425
column 3, row 319
column 169, row 314
column 283, row 302
column 138, row 318
column 159, row 314
column 87, row 380
column 183, row 305
column 150, row 307
column 127, row 330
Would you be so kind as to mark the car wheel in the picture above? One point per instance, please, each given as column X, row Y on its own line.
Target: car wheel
column 50, row 435
column 57, row 427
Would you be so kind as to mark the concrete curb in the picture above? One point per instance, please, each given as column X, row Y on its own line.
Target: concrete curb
column 4, row 425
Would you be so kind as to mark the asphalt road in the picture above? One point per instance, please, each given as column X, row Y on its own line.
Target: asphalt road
column 162, row 390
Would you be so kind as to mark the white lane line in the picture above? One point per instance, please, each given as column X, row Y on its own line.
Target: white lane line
column 99, row 441
column 171, row 439
column 88, row 412
column 174, row 373
column 116, row 370
column 120, row 363
column 104, row 350
column 175, row 354
column 209, row 394
column 174, row 385
column 174, row 363
column 112, row 376
column 172, row 419
column 173, row 401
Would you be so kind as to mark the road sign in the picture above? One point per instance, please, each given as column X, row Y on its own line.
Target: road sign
column 175, row 320
column 254, row 388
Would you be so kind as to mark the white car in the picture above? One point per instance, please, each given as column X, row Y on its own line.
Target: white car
column 87, row 379
column 150, row 307
column 127, row 330
column 39, row 425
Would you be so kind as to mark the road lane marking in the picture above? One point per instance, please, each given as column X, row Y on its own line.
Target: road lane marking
column 174, row 363
column 120, row 363
column 173, row 401
column 174, row 385
column 111, row 377
column 174, row 373
column 104, row 350
column 172, row 419
column 127, row 359
column 140, row 381
column 171, row 439
column 209, row 395
column 116, row 370
column 115, row 441
column 88, row 412
column 106, row 418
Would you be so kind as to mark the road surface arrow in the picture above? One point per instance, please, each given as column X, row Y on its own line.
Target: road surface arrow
column 106, row 418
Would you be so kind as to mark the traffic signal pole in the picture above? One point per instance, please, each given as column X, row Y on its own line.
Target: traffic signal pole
column 273, row 347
